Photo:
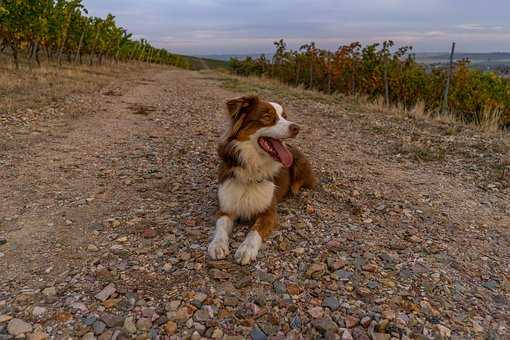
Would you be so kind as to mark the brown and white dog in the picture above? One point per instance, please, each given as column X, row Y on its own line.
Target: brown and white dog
column 257, row 171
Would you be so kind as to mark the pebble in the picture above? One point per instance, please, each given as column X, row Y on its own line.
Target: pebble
column 170, row 328
column 99, row 327
column 92, row 248
column 257, row 334
column 106, row 292
column 144, row 324
column 89, row 336
column 351, row 321
column 129, row 325
column 112, row 320
column 324, row 325
column 196, row 336
column 346, row 335
column 365, row 321
column 381, row 336
column 38, row 334
column 331, row 302
column 444, row 331
column 38, row 311
column 17, row 327
column 217, row 334
column 50, row 291
column 316, row 312
column 3, row 241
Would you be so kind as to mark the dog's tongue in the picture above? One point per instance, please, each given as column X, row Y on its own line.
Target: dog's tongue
column 283, row 153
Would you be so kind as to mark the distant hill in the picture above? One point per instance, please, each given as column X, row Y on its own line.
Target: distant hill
column 484, row 58
column 201, row 63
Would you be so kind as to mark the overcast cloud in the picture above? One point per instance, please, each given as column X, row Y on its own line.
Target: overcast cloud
column 249, row 26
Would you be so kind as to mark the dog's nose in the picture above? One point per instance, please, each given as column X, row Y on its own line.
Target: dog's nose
column 294, row 129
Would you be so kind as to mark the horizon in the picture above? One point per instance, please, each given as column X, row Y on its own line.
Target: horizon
column 216, row 27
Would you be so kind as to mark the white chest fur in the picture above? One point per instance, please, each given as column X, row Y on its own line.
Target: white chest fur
column 245, row 199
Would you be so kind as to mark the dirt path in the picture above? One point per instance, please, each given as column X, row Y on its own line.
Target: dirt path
column 408, row 234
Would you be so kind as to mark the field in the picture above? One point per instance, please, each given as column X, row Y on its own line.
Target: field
column 108, row 185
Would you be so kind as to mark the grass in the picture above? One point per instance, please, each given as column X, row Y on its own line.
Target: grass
column 32, row 89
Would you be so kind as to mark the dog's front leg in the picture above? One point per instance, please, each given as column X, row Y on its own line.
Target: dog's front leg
column 260, row 231
column 218, row 248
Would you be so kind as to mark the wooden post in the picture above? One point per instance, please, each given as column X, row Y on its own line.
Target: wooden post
column 386, row 84
column 448, row 80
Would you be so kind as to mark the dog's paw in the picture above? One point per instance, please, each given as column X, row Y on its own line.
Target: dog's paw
column 218, row 249
column 249, row 249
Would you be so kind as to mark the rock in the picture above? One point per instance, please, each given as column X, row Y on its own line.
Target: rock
column 257, row 334
column 372, row 284
column 334, row 245
column 365, row 321
column 99, row 327
column 149, row 233
column 112, row 320
column 89, row 336
column 144, row 324
column 293, row 289
column 106, row 335
column 38, row 334
column 351, row 321
column 331, row 302
column 346, row 335
column 199, row 328
column 295, row 322
column 5, row 318
column 217, row 333
column 443, row 331
column 381, row 336
column 196, row 336
column 17, row 327
column 2, row 241
column 324, row 325
column 50, row 291
column 92, row 248
column 279, row 288
column 315, row 270
column 38, row 311
column 219, row 274
column 106, row 292
column 129, row 325
column 359, row 333
column 202, row 315
column 316, row 312
column 299, row 251
column 388, row 314
column 167, row 267
column 335, row 264
column 170, row 328
column 265, row 276
column 477, row 328
column 342, row 275
column 173, row 305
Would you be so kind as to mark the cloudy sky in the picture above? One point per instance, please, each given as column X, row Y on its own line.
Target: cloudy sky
column 250, row 26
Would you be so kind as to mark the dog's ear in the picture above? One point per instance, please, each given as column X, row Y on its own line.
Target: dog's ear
column 236, row 106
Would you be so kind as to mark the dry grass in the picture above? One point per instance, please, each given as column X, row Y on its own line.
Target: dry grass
column 31, row 93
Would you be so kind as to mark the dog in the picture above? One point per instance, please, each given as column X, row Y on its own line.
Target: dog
column 257, row 170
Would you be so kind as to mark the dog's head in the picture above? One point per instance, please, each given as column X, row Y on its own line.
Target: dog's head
column 264, row 125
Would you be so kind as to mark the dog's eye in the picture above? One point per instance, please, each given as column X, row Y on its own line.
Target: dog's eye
column 284, row 115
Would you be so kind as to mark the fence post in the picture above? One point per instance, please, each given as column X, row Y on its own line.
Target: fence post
column 448, row 80
column 386, row 84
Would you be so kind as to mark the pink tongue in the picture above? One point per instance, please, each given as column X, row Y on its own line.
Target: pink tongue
column 283, row 153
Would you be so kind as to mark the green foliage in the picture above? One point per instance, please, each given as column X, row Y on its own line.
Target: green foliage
column 62, row 27
column 380, row 70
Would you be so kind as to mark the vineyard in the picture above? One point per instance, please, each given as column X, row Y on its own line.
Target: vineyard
column 380, row 71
column 61, row 31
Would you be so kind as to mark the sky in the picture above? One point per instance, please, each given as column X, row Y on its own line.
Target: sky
column 200, row 27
